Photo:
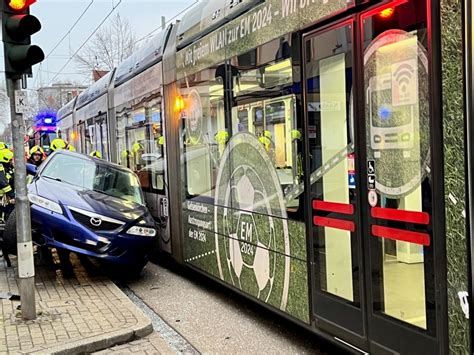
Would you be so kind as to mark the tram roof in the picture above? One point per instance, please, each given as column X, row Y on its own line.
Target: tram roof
column 150, row 54
column 207, row 15
column 67, row 109
column 96, row 90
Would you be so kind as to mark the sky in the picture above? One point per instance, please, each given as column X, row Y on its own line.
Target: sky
column 57, row 17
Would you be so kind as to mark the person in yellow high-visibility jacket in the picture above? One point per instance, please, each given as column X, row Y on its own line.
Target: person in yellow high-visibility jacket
column 70, row 147
column 36, row 156
column 266, row 140
column 7, row 193
column 137, row 151
column 96, row 154
column 57, row 144
column 221, row 139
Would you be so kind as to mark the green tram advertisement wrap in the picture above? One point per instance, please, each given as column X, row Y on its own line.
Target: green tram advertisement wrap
column 245, row 238
column 241, row 232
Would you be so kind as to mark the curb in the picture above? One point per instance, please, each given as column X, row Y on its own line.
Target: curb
column 143, row 328
column 98, row 343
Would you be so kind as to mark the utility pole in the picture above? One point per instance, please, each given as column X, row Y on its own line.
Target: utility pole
column 17, row 27
column 26, row 266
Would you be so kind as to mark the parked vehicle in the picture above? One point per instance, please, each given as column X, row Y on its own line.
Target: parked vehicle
column 91, row 207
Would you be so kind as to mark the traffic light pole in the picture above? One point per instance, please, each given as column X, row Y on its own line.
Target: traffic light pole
column 26, row 267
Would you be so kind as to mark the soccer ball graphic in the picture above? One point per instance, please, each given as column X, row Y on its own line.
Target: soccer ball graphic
column 251, row 231
column 248, row 256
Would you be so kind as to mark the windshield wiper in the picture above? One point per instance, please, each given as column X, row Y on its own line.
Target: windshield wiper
column 52, row 178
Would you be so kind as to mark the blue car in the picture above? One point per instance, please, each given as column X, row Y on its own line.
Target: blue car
column 91, row 207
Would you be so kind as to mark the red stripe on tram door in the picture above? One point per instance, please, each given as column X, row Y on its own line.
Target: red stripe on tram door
column 334, row 223
column 401, row 235
column 400, row 216
column 333, row 207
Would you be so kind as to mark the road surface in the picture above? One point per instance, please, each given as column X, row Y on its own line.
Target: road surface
column 214, row 319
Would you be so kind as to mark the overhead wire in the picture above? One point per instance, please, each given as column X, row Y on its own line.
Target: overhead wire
column 96, row 29
column 167, row 22
column 55, row 72
column 70, row 29
column 85, row 42
column 64, row 37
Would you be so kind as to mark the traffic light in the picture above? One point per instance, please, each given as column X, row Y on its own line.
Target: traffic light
column 17, row 27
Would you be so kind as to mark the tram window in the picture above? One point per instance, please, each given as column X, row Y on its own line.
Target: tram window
column 328, row 73
column 122, row 150
column 271, row 68
column 88, row 139
column 82, row 137
column 99, row 136
column 105, row 139
column 242, row 122
column 204, row 129
column 140, row 143
column 157, row 143
column 273, row 121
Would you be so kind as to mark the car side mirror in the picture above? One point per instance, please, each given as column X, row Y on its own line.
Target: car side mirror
column 31, row 169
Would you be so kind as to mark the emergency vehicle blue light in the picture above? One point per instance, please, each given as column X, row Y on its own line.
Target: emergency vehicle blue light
column 46, row 117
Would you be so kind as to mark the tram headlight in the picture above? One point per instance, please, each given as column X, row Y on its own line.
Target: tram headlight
column 142, row 231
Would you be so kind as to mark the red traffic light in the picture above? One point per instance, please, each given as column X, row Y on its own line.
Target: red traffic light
column 20, row 5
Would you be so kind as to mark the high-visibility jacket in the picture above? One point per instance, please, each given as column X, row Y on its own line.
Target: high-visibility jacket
column 6, row 182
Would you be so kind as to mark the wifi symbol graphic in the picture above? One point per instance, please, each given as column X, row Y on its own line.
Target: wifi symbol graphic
column 404, row 76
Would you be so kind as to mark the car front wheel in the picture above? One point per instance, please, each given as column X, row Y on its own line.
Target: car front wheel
column 9, row 235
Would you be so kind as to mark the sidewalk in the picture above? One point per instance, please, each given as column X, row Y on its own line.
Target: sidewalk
column 85, row 312
column 150, row 345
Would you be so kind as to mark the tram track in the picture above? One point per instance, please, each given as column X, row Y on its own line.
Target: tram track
column 176, row 340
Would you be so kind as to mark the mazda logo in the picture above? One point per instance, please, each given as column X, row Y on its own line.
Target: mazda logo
column 96, row 222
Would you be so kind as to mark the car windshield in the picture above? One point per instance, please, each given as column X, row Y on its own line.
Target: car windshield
column 97, row 177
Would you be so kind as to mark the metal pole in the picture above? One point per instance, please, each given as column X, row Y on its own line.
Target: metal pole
column 26, row 267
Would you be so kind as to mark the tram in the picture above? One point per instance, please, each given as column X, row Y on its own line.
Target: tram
column 314, row 156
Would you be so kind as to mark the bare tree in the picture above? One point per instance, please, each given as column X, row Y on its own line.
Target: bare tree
column 28, row 115
column 5, row 111
column 108, row 47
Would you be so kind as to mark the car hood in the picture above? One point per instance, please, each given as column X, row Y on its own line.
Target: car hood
column 74, row 196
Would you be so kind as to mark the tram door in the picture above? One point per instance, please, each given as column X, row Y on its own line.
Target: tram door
column 371, row 182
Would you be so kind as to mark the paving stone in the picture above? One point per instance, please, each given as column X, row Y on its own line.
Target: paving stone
column 151, row 344
column 83, row 314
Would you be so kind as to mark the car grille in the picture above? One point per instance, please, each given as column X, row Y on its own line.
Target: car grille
column 85, row 218
column 60, row 237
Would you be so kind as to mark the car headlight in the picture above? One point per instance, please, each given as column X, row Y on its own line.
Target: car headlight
column 45, row 203
column 142, row 231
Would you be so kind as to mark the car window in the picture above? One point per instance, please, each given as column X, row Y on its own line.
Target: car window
column 71, row 170
column 100, row 178
column 117, row 183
